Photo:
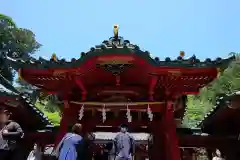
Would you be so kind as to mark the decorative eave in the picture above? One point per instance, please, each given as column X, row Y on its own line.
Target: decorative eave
column 221, row 104
column 40, row 115
column 118, row 47
column 7, row 90
column 7, row 93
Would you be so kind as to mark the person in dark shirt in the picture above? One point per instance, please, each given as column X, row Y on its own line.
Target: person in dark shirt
column 84, row 148
column 107, row 150
column 104, row 154
column 10, row 133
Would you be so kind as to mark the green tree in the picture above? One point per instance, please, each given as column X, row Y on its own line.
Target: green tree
column 15, row 42
column 21, row 43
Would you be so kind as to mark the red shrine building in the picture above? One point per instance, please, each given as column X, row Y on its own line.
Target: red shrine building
column 116, row 82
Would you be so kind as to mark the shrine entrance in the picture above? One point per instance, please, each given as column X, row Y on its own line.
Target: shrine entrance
column 147, row 117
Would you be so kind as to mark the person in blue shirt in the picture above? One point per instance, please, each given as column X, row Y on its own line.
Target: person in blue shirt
column 124, row 144
column 68, row 146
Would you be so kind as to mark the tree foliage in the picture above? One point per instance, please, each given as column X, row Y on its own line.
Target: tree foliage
column 21, row 43
column 15, row 42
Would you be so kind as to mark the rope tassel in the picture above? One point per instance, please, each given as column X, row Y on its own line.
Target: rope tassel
column 128, row 114
column 149, row 112
column 104, row 115
column 81, row 112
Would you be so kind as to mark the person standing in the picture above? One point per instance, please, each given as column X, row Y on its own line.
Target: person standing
column 10, row 133
column 66, row 149
column 124, row 144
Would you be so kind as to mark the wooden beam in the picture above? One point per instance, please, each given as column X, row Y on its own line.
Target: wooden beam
column 134, row 90
column 133, row 106
column 189, row 71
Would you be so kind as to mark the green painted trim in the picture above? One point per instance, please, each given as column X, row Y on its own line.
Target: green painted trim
column 43, row 64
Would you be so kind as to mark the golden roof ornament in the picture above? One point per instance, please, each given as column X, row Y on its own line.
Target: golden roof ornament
column 115, row 31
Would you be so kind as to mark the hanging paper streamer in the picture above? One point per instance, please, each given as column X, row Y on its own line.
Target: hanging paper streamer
column 149, row 112
column 81, row 112
column 128, row 114
column 104, row 115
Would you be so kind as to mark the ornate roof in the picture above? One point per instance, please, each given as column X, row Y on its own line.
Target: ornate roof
column 115, row 45
column 191, row 62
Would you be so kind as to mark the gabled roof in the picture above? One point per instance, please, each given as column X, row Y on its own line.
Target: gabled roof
column 221, row 111
column 6, row 87
column 7, row 90
column 39, row 114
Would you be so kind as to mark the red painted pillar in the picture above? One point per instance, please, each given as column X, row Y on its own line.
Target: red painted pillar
column 171, row 139
column 157, row 147
column 64, row 124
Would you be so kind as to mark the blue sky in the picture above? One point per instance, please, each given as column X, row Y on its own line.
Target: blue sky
column 206, row 28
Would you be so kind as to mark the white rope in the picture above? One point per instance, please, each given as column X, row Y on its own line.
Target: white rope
column 128, row 114
column 81, row 112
